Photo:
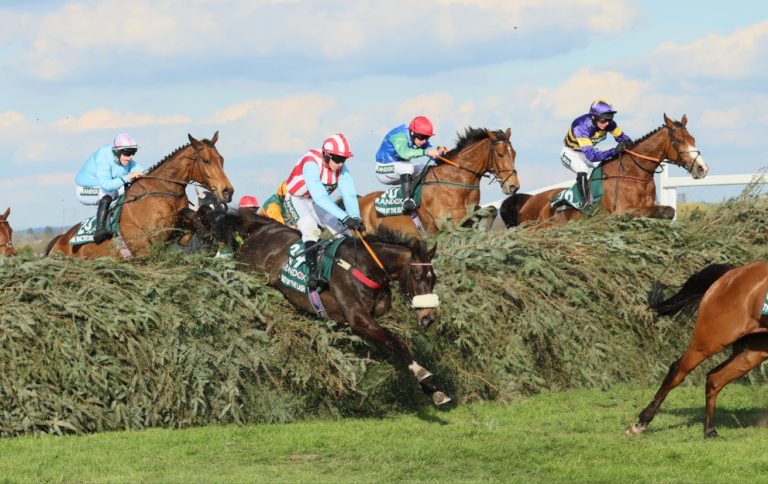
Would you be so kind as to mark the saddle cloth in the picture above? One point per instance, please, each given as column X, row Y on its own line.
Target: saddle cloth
column 87, row 227
column 390, row 202
column 571, row 197
column 295, row 273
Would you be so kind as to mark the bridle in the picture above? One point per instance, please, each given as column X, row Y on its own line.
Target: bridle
column 488, row 169
column 675, row 142
column 9, row 243
column 195, row 164
column 409, row 290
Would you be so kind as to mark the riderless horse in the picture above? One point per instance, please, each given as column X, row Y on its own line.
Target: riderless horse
column 6, row 235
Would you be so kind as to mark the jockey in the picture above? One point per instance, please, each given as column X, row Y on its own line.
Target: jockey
column 401, row 145
column 315, row 176
column 103, row 176
column 273, row 207
column 579, row 153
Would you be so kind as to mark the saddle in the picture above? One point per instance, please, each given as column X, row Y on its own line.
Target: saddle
column 87, row 227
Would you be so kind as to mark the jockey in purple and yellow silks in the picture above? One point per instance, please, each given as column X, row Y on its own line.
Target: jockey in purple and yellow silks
column 401, row 145
column 317, row 174
column 579, row 153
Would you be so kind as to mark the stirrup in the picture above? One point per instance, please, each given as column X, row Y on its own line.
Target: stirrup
column 409, row 205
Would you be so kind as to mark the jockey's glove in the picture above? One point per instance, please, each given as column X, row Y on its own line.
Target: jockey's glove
column 623, row 145
column 354, row 223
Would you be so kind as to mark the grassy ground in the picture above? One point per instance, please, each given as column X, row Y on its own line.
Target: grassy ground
column 572, row 436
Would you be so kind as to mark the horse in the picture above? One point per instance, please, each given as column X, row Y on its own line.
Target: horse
column 731, row 312
column 453, row 185
column 627, row 179
column 153, row 202
column 6, row 235
column 358, row 287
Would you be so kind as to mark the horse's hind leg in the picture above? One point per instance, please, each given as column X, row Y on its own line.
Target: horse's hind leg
column 748, row 353
column 677, row 373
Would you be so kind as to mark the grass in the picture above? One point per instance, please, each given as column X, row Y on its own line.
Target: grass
column 554, row 437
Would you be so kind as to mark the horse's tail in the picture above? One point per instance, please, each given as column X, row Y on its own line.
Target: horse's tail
column 510, row 209
column 51, row 244
column 689, row 294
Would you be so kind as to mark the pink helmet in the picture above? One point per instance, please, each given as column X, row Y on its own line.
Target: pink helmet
column 248, row 201
column 421, row 125
column 124, row 141
column 337, row 145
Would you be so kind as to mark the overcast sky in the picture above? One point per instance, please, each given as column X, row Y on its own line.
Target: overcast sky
column 275, row 77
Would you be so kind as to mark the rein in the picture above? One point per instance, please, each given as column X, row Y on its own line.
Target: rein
column 175, row 196
column 480, row 174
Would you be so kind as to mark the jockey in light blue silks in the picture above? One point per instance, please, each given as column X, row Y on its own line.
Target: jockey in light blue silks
column 579, row 153
column 314, row 177
column 400, row 146
column 102, row 177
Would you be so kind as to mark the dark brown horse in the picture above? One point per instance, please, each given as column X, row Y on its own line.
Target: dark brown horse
column 6, row 235
column 730, row 305
column 349, row 298
column 453, row 186
column 628, row 185
column 153, row 202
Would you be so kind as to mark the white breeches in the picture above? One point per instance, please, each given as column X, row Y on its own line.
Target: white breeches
column 576, row 161
column 92, row 195
column 312, row 218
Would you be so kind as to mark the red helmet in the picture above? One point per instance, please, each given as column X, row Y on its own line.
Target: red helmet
column 421, row 125
column 337, row 145
column 249, row 201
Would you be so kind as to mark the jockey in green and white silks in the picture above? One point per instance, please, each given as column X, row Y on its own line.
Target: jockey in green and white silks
column 579, row 153
column 103, row 176
column 315, row 176
column 394, row 159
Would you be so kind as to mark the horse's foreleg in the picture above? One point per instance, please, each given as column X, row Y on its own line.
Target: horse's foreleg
column 748, row 353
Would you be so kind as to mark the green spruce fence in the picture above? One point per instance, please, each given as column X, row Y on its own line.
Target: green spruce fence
column 179, row 341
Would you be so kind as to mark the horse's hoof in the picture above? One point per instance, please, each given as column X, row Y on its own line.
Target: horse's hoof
column 423, row 375
column 635, row 429
column 440, row 398
column 712, row 434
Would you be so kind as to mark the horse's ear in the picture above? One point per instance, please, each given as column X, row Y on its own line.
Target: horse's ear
column 508, row 132
column 215, row 137
column 668, row 121
column 684, row 120
column 192, row 140
column 432, row 251
column 7, row 212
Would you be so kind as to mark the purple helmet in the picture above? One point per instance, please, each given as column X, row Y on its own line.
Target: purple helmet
column 600, row 107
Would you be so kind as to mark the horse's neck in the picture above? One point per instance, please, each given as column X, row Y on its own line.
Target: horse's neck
column 394, row 258
column 470, row 159
column 652, row 147
column 172, row 175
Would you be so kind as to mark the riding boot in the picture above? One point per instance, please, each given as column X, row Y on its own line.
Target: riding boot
column 583, row 183
column 101, row 233
column 314, row 279
column 406, row 182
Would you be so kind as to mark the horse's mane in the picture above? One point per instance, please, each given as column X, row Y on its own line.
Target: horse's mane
column 472, row 135
column 173, row 153
column 388, row 236
column 641, row 139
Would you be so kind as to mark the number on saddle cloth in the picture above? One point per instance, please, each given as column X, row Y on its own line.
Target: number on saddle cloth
column 295, row 273
column 571, row 197
column 390, row 202
column 87, row 227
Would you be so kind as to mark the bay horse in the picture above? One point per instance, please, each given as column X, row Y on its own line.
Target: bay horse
column 730, row 313
column 153, row 202
column 453, row 185
column 628, row 184
column 6, row 235
column 350, row 299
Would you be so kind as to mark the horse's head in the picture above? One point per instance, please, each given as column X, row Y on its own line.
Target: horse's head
column 681, row 149
column 208, row 168
column 6, row 235
column 420, row 282
column 501, row 161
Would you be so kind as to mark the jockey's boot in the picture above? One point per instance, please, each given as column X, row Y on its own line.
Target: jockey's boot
column 314, row 279
column 101, row 234
column 583, row 183
column 406, row 182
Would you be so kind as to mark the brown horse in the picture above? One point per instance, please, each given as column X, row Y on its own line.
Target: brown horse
column 359, row 288
column 628, row 185
column 153, row 202
column 453, row 186
column 6, row 235
column 729, row 314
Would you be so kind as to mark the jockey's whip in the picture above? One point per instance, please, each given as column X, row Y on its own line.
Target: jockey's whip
column 361, row 236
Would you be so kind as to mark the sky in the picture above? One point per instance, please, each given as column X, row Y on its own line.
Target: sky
column 275, row 77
